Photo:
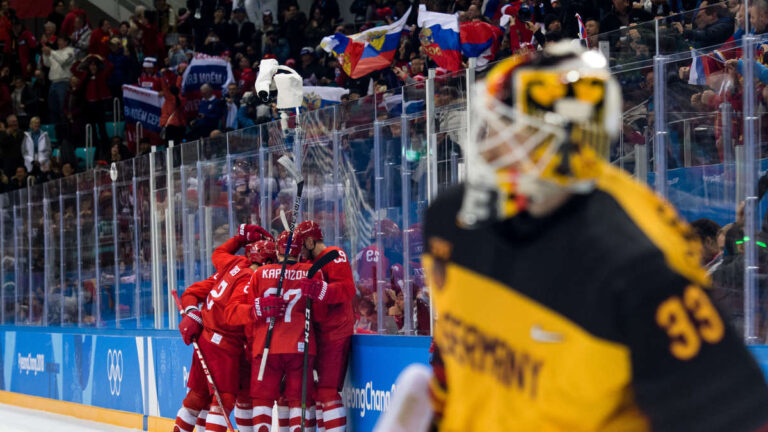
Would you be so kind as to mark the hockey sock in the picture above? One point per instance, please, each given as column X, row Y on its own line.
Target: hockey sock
column 185, row 420
column 201, row 420
column 244, row 416
column 319, row 417
column 215, row 421
column 283, row 415
column 295, row 417
column 262, row 415
column 334, row 416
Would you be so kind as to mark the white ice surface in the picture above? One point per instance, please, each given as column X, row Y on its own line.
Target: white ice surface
column 15, row 419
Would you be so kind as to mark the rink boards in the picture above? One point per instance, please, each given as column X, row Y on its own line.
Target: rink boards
column 138, row 378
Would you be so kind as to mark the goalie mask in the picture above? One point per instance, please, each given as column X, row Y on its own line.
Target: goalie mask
column 543, row 120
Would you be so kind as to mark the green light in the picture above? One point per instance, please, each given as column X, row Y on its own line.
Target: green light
column 761, row 244
column 412, row 155
column 746, row 238
column 738, row 242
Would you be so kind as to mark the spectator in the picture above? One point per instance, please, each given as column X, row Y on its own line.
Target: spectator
column 758, row 16
column 328, row 8
column 244, row 74
column 6, row 14
column 19, row 181
column 294, row 21
column 40, row 88
column 592, row 28
column 59, row 62
column 243, row 30
column 166, row 17
column 49, row 34
column 122, row 68
column 621, row 15
column 713, row 26
column 172, row 115
column 309, row 69
column 23, row 46
column 67, row 169
column 92, row 73
column 145, row 146
column 36, row 148
column 57, row 16
column 118, row 150
column 100, row 39
column 81, row 37
column 24, row 101
column 148, row 78
column 180, row 52
column 73, row 133
column 213, row 45
column 209, row 115
column 67, row 26
column 10, row 145
column 223, row 29
column 317, row 28
column 276, row 46
column 707, row 230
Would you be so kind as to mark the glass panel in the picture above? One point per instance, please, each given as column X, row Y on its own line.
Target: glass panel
column 190, row 220
column 86, row 225
column 36, row 255
column 214, row 182
column 21, row 239
column 8, row 257
column 164, row 239
column 70, row 252
column 142, row 214
column 52, row 252
column 106, row 237
column 127, row 290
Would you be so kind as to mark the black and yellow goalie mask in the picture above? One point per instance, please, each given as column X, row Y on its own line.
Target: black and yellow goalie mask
column 541, row 123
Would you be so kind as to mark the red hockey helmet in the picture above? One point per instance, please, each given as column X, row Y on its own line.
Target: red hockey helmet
column 415, row 241
column 308, row 229
column 389, row 229
column 282, row 243
column 261, row 252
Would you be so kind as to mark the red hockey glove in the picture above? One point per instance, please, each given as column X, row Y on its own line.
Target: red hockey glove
column 269, row 307
column 252, row 233
column 315, row 289
column 191, row 325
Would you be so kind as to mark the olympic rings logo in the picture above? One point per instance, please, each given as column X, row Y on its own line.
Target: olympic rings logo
column 115, row 371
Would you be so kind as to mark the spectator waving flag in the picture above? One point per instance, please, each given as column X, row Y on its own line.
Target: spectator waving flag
column 204, row 69
column 479, row 39
column 320, row 97
column 141, row 106
column 368, row 51
column 582, row 30
column 697, row 74
column 440, row 37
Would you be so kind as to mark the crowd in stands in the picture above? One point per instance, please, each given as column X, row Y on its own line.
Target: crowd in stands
column 69, row 74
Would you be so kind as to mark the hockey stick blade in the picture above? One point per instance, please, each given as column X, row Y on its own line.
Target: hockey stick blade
column 287, row 162
column 322, row 262
column 284, row 220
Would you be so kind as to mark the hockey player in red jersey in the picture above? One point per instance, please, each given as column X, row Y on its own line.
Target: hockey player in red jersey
column 253, row 305
column 334, row 324
column 222, row 344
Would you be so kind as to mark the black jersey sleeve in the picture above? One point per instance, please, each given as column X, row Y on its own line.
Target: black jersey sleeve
column 690, row 370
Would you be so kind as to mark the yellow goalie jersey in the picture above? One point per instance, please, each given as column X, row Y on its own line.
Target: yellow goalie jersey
column 594, row 318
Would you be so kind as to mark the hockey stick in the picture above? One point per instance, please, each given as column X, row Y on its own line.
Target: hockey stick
column 287, row 163
column 284, row 220
column 316, row 266
column 204, row 365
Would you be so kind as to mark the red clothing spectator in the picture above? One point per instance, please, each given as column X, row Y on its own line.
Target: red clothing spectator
column 5, row 30
column 23, row 45
column 245, row 78
column 99, row 43
column 149, row 78
column 93, row 84
column 68, row 26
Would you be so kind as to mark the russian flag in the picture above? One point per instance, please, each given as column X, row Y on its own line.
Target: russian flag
column 440, row 37
column 698, row 75
column 368, row 51
column 322, row 96
column 479, row 39
column 582, row 29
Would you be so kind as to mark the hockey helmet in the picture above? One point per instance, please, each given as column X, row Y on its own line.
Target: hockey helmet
column 308, row 229
column 543, row 119
column 282, row 243
column 261, row 252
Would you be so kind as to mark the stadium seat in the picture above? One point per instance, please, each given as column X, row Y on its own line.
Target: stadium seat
column 56, row 152
column 115, row 128
column 85, row 157
column 51, row 130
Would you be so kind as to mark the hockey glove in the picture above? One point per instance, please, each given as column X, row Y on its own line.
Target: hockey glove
column 269, row 307
column 191, row 325
column 251, row 233
column 314, row 288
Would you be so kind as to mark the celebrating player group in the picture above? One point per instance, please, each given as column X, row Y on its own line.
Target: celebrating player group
column 262, row 324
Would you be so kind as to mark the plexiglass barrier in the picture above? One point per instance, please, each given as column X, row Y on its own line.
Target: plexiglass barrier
column 104, row 248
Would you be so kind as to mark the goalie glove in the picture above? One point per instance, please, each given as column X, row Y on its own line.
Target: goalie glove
column 191, row 325
column 269, row 307
column 251, row 233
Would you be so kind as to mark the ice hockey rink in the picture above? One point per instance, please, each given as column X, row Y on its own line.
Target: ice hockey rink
column 15, row 419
